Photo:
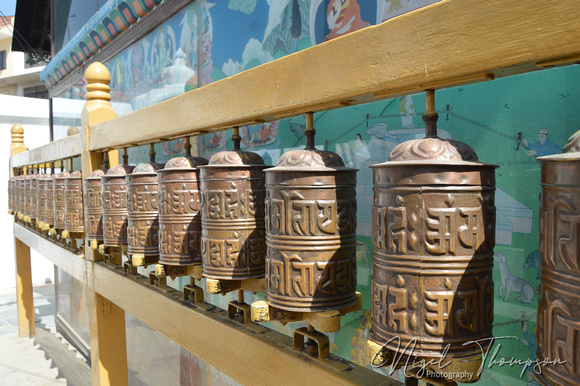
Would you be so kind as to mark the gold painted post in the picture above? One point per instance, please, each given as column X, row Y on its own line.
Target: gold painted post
column 106, row 319
column 24, row 300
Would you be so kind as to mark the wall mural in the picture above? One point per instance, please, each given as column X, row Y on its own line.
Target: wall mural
column 508, row 122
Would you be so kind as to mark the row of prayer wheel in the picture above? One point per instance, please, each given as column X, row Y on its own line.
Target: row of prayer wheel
column 50, row 200
column 433, row 232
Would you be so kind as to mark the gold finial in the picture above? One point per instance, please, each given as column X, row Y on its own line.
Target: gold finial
column 98, row 78
column 72, row 131
column 17, row 145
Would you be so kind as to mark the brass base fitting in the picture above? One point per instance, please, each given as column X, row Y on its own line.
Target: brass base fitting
column 323, row 321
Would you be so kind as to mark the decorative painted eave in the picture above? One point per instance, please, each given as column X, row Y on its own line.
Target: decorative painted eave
column 109, row 22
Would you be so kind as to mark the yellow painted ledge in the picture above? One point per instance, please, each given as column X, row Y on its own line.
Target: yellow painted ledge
column 69, row 262
column 57, row 150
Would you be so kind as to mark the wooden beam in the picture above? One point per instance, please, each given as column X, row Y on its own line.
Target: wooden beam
column 448, row 43
column 24, row 297
column 61, row 149
column 246, row 356
column 69, row 262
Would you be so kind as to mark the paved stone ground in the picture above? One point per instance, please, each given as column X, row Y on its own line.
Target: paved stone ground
column 24, row 361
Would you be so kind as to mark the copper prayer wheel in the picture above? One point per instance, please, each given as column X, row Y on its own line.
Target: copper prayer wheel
column 558, row 327
column 27, row 184
column 10, row 194
column 19, row 190
column 73, row 207
column 42, row 198
column 94, row 206
column 34, row 196
column 114, row 195
column 433, row 232
column 143, row 211
column 180, row 211
column 311, row 230
column 49, row 204
column 233, row 232
column 59, row 200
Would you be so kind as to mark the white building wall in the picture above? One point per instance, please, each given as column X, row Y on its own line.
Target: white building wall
column 32, row 114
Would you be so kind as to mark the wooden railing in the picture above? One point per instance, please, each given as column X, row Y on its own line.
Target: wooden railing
column 446, row 44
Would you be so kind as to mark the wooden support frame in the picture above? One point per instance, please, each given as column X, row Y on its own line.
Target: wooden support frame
column 433, row 49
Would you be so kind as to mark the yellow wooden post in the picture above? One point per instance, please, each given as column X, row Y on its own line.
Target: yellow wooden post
column 24, row 299
column 106, row 320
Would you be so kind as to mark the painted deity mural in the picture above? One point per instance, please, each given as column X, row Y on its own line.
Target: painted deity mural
column 509, row 122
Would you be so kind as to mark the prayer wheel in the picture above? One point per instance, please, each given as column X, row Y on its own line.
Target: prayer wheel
column 558, row 327
column 114, row 193
column 26, row 205
column 143, row 211
column 73, row 207
column 59, row 200
column 233, row 235
column 180, row 211
column 49, row 204
column 19, row 190
column 42, row 198
column 310, row 230
column 10, row 195
column 33, row 196
column 94, row 206
column 433, row 232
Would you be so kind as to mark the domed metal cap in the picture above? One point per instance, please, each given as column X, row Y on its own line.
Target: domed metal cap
column 433, row 149
column 119, row 170
column 147, row 168
column 573, row 144
column 76, row 174
column 311, row 159
column 185, row 162
column 62, row 175
column 236, row 158
column 97, row 173
column 45, row 176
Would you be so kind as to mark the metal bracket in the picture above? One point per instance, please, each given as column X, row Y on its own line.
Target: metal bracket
column 194, row 295
column 157, row 281
column 324, row 321
column 129, row 268
column 241, row 313
column 220, row 286
column 322, row 350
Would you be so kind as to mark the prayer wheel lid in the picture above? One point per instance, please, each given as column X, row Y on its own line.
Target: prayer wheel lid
column 76, row 174
column 62, row 175
column 119, row 170
column 310, row 159
column 434, row 151
column 185, row 162
column 97, row 174
column 570, row 152
column 236, row 158
column 45, row 176
column 147, row 168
